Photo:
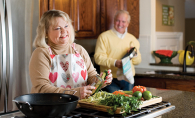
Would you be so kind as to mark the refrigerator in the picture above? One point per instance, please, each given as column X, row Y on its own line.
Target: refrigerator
column 18, row 22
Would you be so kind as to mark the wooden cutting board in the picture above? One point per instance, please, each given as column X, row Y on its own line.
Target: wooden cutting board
column 118, row 111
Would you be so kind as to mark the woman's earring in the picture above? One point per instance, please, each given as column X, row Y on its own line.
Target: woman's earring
column 46, row 37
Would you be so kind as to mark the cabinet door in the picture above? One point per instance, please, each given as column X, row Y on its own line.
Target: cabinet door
column 84, row 14
column 86, row 18
column 133, row 9
column 43, row 7
column 63, row 5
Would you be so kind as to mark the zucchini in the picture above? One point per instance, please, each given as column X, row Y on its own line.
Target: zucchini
column 99, row 84
column 128, row 92
column 98, row 88
column 105, row 73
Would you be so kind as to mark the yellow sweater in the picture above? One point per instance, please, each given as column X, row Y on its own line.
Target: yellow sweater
column 40, row 63
column 110, row 48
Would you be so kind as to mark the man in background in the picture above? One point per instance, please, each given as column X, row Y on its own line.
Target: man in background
column 112, row 45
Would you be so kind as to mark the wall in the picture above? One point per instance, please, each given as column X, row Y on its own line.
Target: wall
column 149, row 28
column 189, row 8
column 179, row 16
column 189, row 21
column 173, row 43
column 179, row 25
column 189, row 29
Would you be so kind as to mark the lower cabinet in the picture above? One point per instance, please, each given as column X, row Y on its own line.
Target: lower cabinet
column 166, row 83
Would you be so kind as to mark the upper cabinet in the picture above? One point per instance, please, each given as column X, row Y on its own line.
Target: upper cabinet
column 84, row 14
column 133, row 9
column 91, row 17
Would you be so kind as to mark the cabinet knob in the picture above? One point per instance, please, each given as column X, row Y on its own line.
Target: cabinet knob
column 76, row 31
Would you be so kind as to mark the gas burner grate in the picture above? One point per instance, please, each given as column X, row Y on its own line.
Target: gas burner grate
column 89, row 113
column 98, row 114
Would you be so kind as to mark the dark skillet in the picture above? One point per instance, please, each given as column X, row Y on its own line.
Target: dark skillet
column 46, row 105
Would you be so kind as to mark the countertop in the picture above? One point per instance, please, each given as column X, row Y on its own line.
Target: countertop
column 172, row 65
column 150, row 73
column 183, row 101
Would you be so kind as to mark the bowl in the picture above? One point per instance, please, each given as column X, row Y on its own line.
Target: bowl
column 165, row 59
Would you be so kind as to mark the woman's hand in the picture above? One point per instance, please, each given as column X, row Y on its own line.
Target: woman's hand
column 108, row 79
column 86, row 91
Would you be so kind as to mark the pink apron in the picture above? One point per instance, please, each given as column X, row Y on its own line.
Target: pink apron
column 68, row 70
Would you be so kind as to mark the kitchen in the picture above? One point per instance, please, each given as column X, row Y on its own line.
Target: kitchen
column 149, row 29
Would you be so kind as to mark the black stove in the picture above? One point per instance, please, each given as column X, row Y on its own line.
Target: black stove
column 145, row 112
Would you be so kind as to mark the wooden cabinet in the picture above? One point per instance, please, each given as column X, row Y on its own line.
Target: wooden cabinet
column 92, row 17
column 43, row 7
column 165, row 83
column 84, row 14
column 133, row 9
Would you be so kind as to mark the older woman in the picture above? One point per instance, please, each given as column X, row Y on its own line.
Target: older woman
column 57, row 64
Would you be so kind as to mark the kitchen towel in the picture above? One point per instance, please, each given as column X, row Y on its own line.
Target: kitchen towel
column 126, row 72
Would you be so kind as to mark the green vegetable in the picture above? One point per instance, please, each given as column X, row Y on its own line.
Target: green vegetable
column 105, row 73
column 155, row 96
column 100, row 82
column 97, row 97
column 127, row 104
column 128, row 92
column 99, row 85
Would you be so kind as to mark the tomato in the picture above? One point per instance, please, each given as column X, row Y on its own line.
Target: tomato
column 139, row 88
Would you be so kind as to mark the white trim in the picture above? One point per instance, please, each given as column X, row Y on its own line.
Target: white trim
column 146, row 48
column 153, row 26
column 170, row 35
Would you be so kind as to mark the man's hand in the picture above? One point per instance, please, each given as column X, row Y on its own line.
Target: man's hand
column 118, row 63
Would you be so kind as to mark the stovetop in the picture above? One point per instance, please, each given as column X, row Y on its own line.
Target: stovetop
column 145, row 112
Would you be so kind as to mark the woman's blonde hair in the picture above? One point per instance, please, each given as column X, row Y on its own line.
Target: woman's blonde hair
column 48, row 19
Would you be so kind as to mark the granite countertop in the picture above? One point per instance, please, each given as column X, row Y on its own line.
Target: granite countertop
column 151, row 73
column 172, row 65
column 183, row 101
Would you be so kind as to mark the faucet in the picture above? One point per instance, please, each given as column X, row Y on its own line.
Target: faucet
column 191, row 55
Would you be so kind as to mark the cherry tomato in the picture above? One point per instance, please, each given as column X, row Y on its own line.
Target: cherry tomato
column 139, row 88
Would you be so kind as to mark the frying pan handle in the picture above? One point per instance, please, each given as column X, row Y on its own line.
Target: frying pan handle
column 70, row 90
column 30, row 107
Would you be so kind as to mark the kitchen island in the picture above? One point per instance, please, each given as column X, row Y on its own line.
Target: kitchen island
column 182, row 100
column 148, row 78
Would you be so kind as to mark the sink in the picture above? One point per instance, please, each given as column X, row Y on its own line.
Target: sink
column 174, row 73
